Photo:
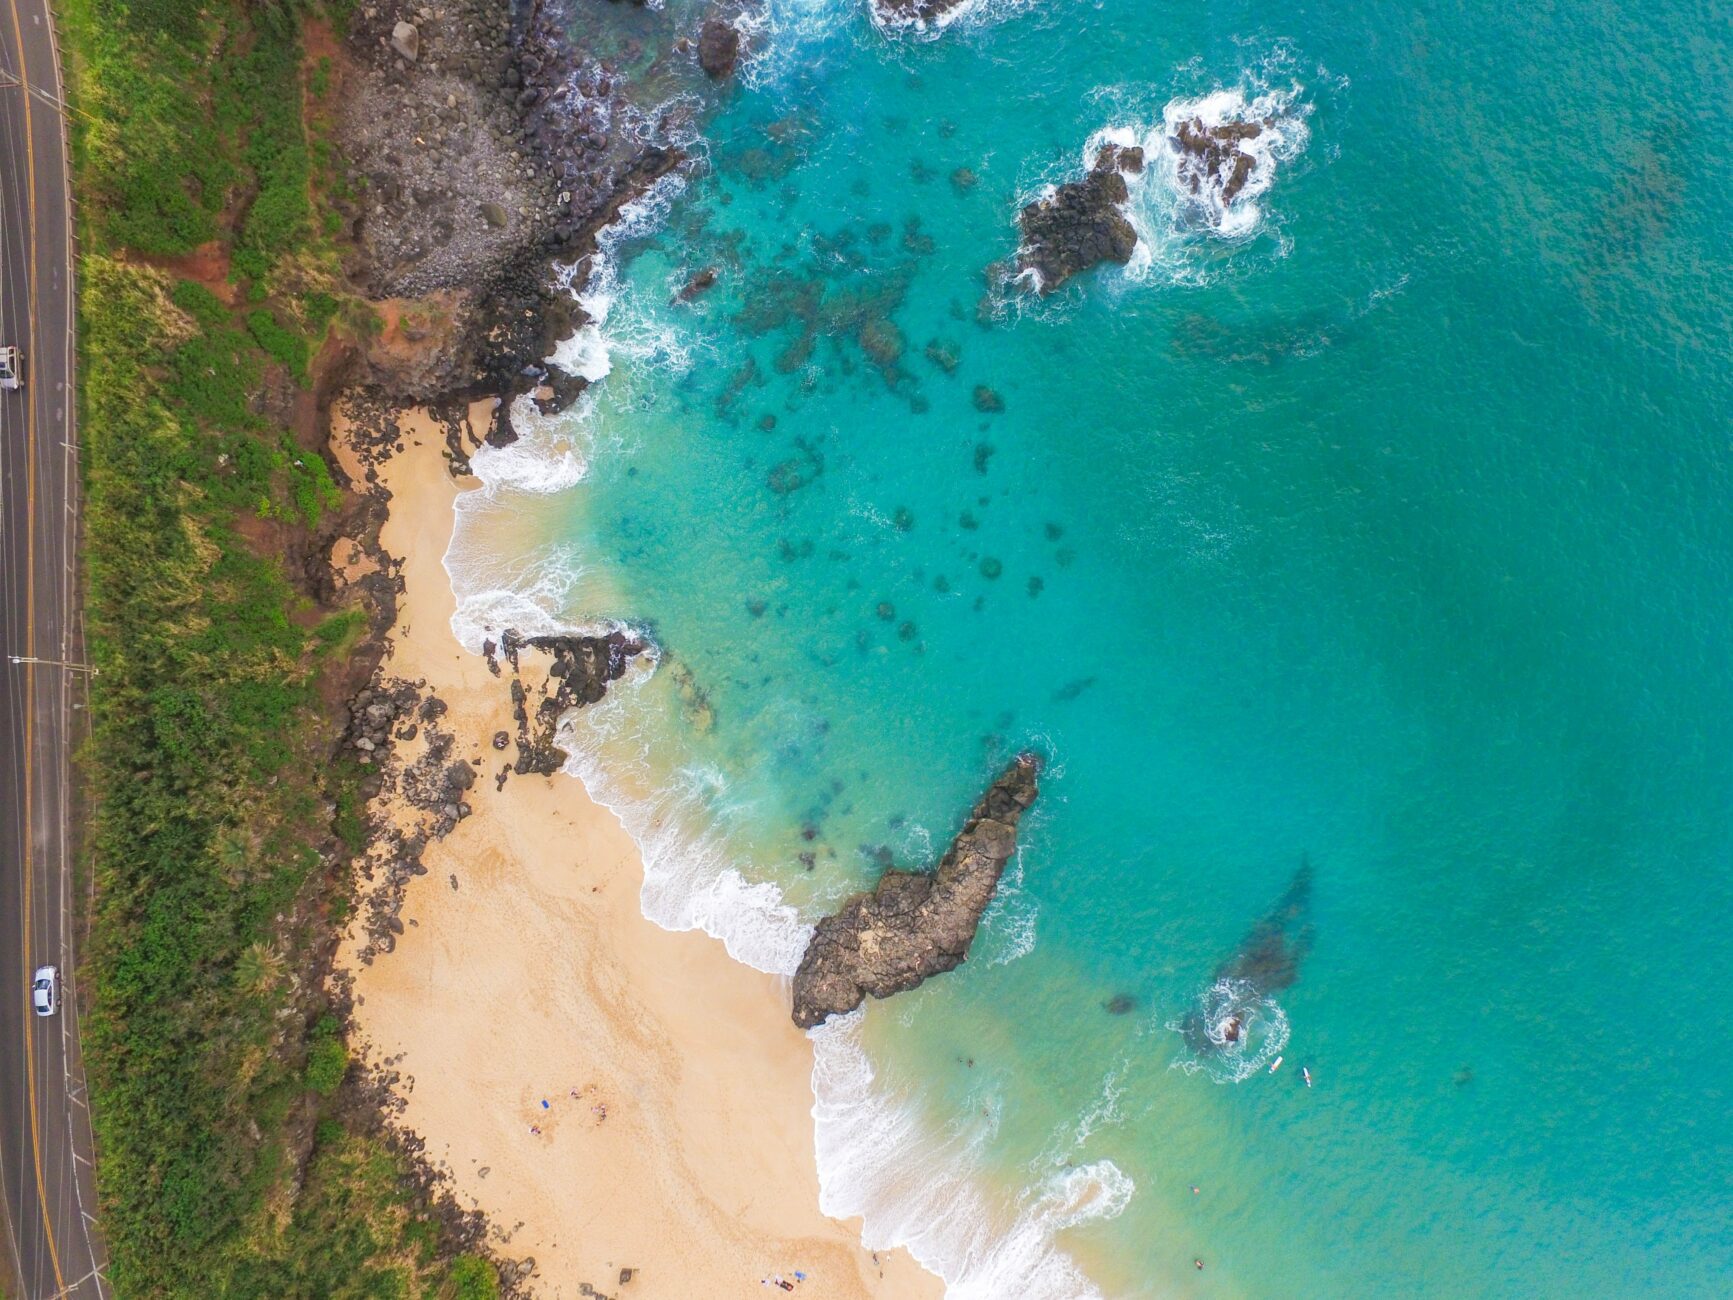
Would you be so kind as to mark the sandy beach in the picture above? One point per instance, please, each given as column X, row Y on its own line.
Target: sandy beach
column 611, row 1095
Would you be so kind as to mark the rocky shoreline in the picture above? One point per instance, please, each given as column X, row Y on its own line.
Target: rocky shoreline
column 914, row 925
column 486, row 147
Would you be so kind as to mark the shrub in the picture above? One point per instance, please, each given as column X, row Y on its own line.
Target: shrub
column 474, row 1278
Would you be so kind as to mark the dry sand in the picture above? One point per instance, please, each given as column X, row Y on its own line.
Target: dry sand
column 537, row 978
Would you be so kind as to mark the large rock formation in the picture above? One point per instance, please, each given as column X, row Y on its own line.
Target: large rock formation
column 1081, row 223
column 913, row 924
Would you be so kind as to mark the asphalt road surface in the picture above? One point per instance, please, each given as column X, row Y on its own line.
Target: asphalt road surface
column 45, row 1146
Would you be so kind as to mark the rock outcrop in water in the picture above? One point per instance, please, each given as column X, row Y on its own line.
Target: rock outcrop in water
column 899, row 13
column 583, row 668
column 1080, row 223
column 913, row 925
column 718, row 49
column 1212, row 161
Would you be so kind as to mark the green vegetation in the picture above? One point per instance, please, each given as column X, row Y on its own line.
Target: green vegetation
column 221, row 829
column 327, row 1058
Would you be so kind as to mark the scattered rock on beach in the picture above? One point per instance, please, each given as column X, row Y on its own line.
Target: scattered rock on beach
column 406, row 40
column 581, row 671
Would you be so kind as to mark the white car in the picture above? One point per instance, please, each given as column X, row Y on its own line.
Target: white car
column 45, row 991
column 11, row 368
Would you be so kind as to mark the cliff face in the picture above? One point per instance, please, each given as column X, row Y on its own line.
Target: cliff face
column 913, row 925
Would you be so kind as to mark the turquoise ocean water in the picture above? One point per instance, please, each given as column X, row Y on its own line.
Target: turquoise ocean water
column 1390, row 535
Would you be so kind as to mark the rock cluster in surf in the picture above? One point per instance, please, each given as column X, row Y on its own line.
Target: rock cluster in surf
column 1267, row 961
column 899, row 13
column 914, row 924
column 1081, row 223
column 1212, row 161
column 582, row 669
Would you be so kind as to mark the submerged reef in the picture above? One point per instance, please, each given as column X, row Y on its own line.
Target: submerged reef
column 1080, row 223
column 914, row 924
column 1267, row 961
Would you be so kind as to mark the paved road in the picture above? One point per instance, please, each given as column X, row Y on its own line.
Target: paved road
column 45, row 1143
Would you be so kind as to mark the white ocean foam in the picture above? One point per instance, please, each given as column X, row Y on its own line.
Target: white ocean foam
column 550, row 455
column 1234, row 1032
column 690, row 882
column 1104, row 1111
column 779, row 37
column 584, row 353
column 967, row 13
column 877, row 1160
column 1008, row 929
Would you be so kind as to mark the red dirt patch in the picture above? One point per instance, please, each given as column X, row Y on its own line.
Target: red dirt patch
column 208, row 264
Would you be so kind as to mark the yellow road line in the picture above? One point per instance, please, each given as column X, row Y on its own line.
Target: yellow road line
column 30, row 669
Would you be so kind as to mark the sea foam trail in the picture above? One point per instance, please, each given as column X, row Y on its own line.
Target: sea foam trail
column 877, row 1158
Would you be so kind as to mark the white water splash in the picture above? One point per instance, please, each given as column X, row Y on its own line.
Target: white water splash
column 878, row 1161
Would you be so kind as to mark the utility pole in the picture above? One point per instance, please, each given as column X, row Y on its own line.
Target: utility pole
column 53, row 663
column 60, row 106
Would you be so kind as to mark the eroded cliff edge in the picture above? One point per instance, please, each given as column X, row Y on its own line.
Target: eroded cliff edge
column 913, row 924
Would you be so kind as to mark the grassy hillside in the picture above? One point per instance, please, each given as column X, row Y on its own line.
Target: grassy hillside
column 235, row 1158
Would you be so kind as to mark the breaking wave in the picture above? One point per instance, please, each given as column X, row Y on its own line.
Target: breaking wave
column 878, row 1160
column 963, row 13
